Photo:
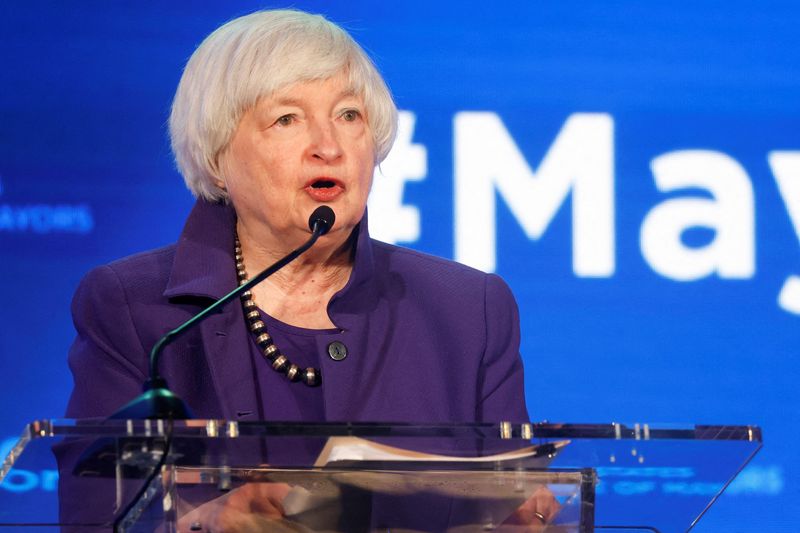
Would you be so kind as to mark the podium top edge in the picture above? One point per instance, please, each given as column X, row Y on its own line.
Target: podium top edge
column 214, row 428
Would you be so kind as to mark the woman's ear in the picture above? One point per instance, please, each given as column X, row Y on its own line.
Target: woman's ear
column 217, row 168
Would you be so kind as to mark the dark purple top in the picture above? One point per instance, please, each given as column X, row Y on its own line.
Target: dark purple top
column 278, row 398
column 428, row 340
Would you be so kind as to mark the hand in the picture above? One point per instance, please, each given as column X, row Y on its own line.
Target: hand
column 252, row 507
column 534, row 515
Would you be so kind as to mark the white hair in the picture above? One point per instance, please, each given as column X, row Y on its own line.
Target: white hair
column 251, row 57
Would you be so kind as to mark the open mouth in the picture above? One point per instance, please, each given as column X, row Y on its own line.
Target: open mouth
column 324, row 189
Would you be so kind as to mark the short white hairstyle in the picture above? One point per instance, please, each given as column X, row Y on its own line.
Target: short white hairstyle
column 251, row 57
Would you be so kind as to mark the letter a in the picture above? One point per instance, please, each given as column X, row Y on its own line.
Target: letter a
column 730, row 214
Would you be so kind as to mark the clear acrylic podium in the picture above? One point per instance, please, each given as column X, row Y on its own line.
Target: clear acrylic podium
column 212, row 475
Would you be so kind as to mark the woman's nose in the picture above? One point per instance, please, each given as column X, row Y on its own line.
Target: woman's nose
column 325, row 145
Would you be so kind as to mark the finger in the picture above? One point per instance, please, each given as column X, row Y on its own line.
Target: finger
column 545, row 503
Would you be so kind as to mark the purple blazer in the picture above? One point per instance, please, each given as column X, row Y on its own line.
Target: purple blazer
column 428, row 340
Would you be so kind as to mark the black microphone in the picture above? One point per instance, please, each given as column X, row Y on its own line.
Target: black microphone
column 324, row 217
column 157, row 401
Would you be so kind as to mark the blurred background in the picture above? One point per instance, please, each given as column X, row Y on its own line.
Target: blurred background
column 632, row 169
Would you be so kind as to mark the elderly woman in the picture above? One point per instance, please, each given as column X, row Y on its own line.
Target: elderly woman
column 278, row 113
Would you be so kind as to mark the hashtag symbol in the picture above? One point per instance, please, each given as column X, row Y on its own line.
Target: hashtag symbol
column 390, row 220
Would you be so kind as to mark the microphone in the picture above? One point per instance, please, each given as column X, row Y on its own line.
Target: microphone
column 324, row 217
column 157, row 401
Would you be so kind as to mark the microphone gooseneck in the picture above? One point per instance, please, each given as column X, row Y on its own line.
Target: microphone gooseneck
column 157, row 401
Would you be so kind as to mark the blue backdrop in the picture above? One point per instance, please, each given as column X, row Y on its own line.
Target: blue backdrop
column 631, row 169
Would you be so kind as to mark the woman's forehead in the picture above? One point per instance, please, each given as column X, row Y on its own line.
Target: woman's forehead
column 334, row 88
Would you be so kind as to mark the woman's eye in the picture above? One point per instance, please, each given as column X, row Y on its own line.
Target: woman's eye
column 351, row 115
column 285, row 120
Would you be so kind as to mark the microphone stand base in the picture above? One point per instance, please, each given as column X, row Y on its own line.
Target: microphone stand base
column 156, row 403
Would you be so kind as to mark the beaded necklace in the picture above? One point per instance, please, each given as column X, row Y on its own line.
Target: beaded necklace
column 280, row 363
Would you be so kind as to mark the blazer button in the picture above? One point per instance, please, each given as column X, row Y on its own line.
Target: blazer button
column 337, row 350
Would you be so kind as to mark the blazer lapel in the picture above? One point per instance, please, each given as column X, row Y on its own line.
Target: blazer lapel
column 204, row 266
column 350, row 383
column 226, row 340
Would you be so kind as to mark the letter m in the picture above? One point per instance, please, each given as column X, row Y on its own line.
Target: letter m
column 580, row 161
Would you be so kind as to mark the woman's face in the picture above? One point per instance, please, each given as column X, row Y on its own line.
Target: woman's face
column 305, row 145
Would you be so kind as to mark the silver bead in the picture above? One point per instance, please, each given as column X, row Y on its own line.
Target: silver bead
column 242, row 274
column 246, row 295
column 279, row 364
column 242, row 282
column 293, row 372
column 264, row 339
column 257, row 326
column 310, row 377
column 249, row 305
column 253, row 315
column 271, row 351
